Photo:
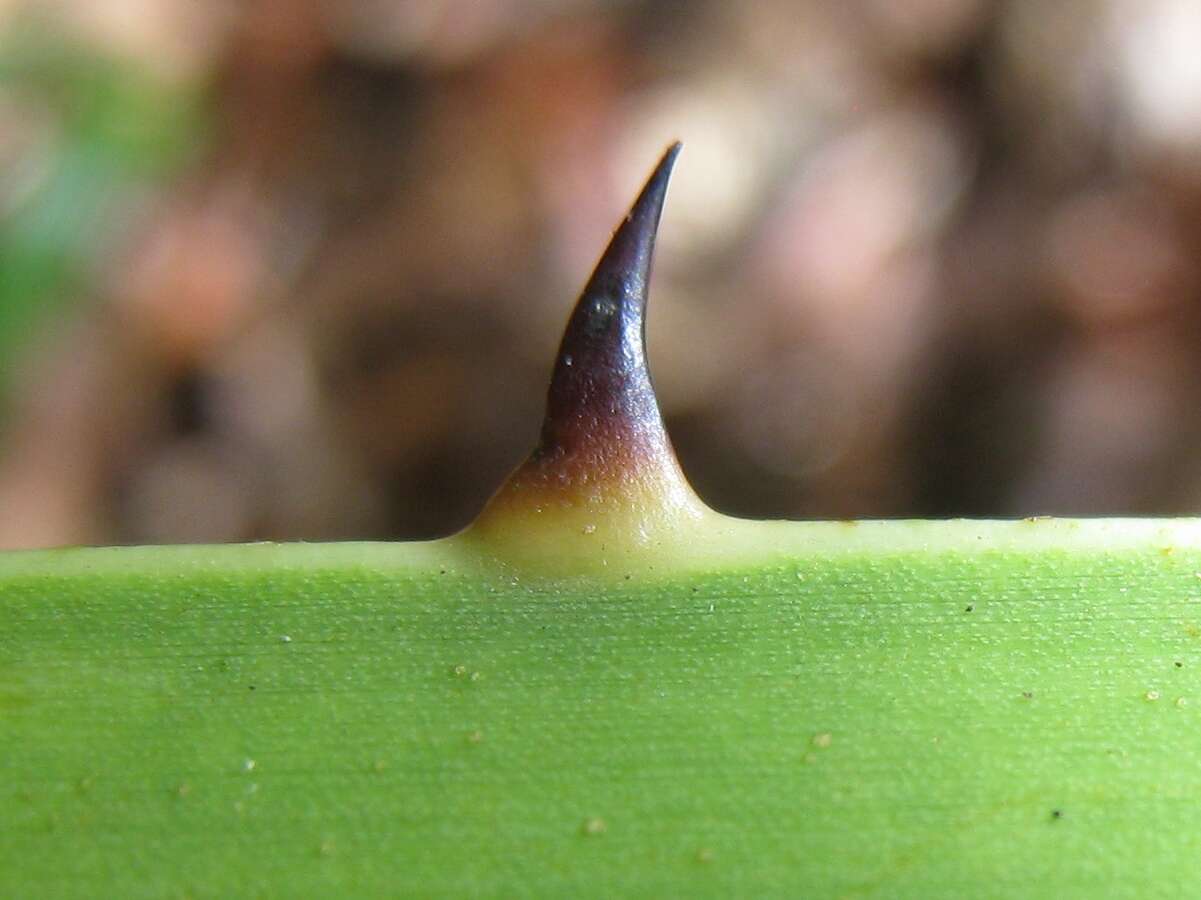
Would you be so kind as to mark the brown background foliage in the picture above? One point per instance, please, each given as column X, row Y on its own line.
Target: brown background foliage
column 920, row 259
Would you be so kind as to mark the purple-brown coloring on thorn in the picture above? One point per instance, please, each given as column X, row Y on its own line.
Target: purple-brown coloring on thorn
column 603, row 448
column 601, row 410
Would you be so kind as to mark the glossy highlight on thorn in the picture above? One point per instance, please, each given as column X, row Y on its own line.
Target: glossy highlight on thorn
column 604, row 468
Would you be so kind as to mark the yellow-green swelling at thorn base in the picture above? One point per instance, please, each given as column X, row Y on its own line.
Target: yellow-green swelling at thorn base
column 594, row 692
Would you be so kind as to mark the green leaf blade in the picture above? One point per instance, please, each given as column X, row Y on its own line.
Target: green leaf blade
column 234, row 721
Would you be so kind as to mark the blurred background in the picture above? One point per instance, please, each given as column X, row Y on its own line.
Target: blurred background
column 296, row 269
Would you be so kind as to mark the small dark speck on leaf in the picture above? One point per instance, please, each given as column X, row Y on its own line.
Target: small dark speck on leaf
column 1028, row 695
column 251, row 686
column 1179, row 664
column 1057, row 814
column 969, row 607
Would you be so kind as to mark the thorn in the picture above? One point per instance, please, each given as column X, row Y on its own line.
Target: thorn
column 601, row 382
column 604, row 457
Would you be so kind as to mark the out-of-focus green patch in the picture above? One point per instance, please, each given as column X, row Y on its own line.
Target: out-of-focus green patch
column 116, row 128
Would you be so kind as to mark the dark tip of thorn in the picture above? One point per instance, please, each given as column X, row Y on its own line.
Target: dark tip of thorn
column 626, row 262
column 601, row 370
